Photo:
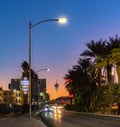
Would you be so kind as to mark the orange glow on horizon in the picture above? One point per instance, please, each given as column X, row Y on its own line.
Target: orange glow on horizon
column 61, row 91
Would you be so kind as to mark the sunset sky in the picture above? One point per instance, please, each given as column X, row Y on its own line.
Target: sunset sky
column 53, row 46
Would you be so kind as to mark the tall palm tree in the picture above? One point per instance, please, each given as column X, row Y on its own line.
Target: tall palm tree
column 107, row 60
column 113, row 42
column 96, row 50
column 115, row 59
column 114, row 56
column 79, row 75
column 78, row 82
column 69, row 84
column 25, row 67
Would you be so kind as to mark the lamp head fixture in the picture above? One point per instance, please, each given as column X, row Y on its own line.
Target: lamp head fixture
column 62, row 20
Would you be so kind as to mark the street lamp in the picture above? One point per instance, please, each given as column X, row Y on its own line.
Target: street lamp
column 44, row 69
column 61, row 20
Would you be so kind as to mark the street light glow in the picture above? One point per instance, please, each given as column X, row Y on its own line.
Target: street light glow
column 62, row 20
column 48, row 69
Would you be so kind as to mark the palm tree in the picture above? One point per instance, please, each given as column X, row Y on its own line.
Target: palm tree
column 70, row 79
column 96, row 50
column 114, row 42
column 114, row 56
column 25, row 68
column 78, row 76
column 115, row 59
column 107, row 60
column 69, row 84
column 79, row 84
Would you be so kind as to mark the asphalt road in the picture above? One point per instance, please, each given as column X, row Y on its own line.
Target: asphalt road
column 61, row 118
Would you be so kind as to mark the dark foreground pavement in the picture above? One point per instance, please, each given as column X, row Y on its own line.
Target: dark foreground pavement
column 22, row 121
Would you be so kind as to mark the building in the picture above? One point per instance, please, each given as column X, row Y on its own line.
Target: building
column 19, row 94
column 25, row 87
column 38, row 91
column 15, row 84
column 11, row 97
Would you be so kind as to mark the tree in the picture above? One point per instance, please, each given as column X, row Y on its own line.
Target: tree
column 96, row 50
column 108, row 60
column 25, row 68
column 86, row 79
column 112, row 44
column 78, row 82
column 115, row 59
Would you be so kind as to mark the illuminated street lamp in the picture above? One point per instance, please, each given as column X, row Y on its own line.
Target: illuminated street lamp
column 61, row 20
column 46, row 69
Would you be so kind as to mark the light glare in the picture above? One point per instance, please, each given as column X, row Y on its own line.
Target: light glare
column 48, row 69
column 62, row 20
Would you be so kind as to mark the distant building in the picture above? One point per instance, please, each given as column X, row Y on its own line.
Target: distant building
column 15, row 84
column 56, row 89
column 38, row 91
column 42, row 85
column 42, row 90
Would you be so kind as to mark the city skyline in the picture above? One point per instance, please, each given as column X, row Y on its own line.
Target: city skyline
column 53, row 46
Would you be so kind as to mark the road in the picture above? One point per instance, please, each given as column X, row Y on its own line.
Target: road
column 61, row 118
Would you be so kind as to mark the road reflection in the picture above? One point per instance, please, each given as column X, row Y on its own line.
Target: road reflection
column 61, row 118
column 55, row 114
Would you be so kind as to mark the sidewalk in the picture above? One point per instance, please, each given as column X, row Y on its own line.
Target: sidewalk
column 22, row 121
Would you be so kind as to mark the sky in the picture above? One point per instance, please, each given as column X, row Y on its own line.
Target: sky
column 53, row 46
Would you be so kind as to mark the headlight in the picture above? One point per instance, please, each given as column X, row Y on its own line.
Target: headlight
column 45, row 109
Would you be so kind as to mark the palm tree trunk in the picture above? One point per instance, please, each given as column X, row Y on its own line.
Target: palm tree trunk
column 118, row 72
column 109, row 77
column 109, row 74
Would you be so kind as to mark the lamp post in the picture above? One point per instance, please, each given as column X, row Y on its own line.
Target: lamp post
column 45, row 69
column 61, row 20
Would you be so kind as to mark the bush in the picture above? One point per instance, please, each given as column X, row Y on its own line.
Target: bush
column 4, row 109
column 67, row 107
column 25, row 108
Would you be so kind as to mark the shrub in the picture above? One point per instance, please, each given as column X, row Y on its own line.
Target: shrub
column 4, row 109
